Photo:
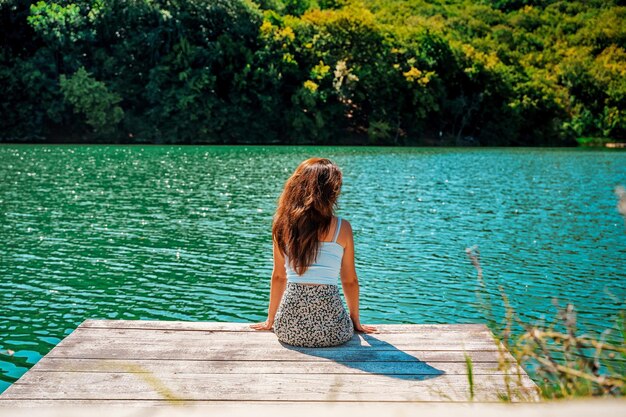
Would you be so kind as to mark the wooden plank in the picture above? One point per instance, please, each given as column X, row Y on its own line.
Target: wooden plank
column 245, row 343
column 428, row 341
column 82, row 407
column 196, row 352
column 85, row 385
column 186, row 408
column 142, row 334
column 263, row 367
column 155, row 362
column 446, row 341
column 245, row 327
column 78, row 345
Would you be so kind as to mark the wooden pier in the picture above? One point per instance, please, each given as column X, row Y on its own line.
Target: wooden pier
column 118, row 362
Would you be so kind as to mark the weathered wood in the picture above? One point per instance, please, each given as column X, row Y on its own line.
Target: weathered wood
column 16, row 405
column 155, row 362
column 228, row 387
column 183, row 343
column 245, row 327
column 324, row 366
column 129, row 338
column 169, row 352
column 269, row 336
column 81, row 406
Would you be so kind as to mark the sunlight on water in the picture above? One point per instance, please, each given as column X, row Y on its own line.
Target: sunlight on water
column 183, row 233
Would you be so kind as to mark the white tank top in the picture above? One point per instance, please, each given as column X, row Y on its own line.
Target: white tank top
column 326, row 267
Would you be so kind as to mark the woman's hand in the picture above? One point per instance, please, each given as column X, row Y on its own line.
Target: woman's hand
column 364, row 328
column 264, row 325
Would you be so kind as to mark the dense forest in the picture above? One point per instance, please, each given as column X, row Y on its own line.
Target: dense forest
column 378, row 72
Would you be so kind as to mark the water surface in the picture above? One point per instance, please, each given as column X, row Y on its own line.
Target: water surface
column 184, row 233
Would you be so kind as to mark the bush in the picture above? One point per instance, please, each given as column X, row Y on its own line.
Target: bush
column 92, row 99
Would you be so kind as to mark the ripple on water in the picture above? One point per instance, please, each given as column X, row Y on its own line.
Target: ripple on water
column 184, row 233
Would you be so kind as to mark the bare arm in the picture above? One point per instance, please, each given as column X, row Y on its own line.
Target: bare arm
column 349, row 280
column 278, row 284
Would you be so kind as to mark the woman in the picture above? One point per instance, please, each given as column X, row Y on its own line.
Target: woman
column 312, row 249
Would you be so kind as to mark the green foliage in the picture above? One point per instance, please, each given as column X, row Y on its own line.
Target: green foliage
column 589, row 141
column 380, row 132
column 92, row 99
column 56, row 22
column 383, row 72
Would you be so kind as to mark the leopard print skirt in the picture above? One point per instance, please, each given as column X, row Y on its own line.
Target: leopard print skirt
column 312, row 316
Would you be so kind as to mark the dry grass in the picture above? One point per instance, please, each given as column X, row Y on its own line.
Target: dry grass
column 569, row 364
column 564, row 362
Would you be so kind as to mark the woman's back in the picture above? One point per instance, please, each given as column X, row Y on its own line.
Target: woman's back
column 327, row 265
column 306, row 309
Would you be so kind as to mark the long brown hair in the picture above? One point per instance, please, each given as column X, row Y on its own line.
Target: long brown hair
column 305, row 211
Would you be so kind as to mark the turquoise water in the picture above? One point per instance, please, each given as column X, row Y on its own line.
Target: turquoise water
column 184, row 233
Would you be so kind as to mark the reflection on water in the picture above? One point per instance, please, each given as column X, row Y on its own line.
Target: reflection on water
column 184, row 233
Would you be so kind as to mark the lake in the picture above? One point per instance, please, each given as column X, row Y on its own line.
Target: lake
column 184, row 233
